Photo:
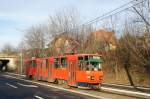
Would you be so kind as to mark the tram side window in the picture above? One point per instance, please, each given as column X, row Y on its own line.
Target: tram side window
column 86, row 58
column 80, row 62
column 41, row 65
column 33, row 63
column 56, row 63
column 63, row 62
column 44, row 63
column 90, row 57
column 83, row 63
column 80, row 58
column 87, row 66
column 47, row 63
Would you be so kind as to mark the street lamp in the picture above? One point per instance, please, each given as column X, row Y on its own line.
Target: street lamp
column 21, row 61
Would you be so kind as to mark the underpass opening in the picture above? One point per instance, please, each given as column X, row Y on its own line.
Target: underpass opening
column 4, row 64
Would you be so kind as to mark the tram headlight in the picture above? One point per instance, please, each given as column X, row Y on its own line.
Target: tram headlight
column 100, row 78
column 92, row 78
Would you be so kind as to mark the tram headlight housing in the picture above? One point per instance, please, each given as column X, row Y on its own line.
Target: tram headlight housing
column 100, row 78
column 92, row 77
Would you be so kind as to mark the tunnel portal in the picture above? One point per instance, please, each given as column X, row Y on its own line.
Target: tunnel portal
column 8, row 62
column 4, row 64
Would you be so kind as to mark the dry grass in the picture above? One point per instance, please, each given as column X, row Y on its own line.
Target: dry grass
column 139, row 79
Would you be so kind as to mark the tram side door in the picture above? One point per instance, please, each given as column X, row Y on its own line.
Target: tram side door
column 50, row 69
column 37, row 69
column 43, row 69
column 72, row 64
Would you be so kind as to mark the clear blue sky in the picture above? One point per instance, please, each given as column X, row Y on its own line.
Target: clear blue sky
column 17, row 15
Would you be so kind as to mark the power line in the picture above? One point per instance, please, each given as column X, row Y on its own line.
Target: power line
column 108, row 14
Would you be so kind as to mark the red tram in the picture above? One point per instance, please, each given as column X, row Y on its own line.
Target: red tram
column 73, row 70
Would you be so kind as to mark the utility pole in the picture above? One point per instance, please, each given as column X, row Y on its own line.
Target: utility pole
column 21, row 61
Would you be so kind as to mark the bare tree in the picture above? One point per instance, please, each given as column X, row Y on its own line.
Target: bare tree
column 62, row 22
column 9, row 49
column 35, row 39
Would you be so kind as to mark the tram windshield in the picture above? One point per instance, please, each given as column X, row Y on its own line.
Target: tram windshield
column 90, row 63
column 93, row 65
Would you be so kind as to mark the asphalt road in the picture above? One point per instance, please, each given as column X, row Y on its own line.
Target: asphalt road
column 18, row 89
column 14, row 86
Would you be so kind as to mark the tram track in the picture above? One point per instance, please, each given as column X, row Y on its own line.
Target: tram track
column 127, row 87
